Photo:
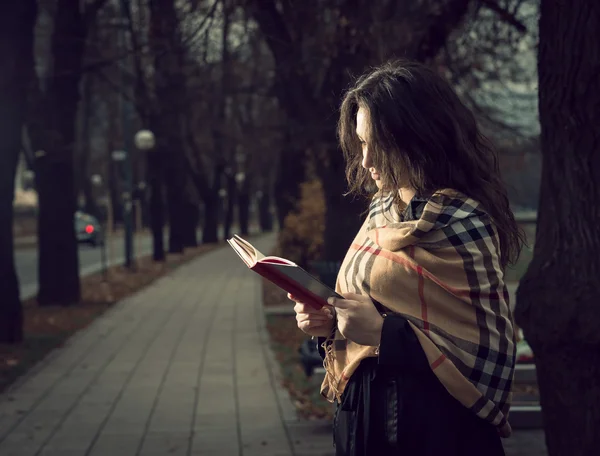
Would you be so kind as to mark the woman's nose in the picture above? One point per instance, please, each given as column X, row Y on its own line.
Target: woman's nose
column 366, row 161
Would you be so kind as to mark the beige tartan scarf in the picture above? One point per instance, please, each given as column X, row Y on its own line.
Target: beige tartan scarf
column 436, row 264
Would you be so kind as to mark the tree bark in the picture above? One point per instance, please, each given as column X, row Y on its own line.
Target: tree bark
column 190, row 224
column 291, row 174
column 174, row 203
column 230, row 206
column 17, row 19
column 265, row 218
column 58, row 257
column 170, row 97
column 156, row 205
column 243, row 204
column 558, row 298
column 343, row 216
column 210, row 233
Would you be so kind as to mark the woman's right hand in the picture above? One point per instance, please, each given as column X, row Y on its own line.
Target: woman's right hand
column 314, row 322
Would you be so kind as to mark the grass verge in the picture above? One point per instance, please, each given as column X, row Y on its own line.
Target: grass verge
column 286, row 338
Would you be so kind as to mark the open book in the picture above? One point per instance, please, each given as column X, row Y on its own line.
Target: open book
column 283, row 273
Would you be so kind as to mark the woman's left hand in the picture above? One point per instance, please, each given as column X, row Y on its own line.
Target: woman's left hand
column 358, row 319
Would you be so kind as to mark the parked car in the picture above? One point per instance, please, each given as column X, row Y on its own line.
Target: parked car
column 88, row 229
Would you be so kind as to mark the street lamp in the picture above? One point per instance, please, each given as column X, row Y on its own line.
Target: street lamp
column 144, row 140
column 240, row 178
column 96, row 179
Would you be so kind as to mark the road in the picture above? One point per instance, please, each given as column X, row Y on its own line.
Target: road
column 90, row 260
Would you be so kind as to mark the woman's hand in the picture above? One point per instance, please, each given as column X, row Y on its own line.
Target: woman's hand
column 358, row 319
column 314, row 322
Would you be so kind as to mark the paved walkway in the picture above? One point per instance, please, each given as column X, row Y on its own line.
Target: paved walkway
column 181, row 368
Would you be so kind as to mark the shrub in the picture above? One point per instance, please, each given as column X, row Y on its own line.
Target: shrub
column 301, row 239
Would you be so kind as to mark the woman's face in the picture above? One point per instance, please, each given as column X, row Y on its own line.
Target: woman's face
column 362, row 131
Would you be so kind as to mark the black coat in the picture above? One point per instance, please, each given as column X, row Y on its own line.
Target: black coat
column 395, row 405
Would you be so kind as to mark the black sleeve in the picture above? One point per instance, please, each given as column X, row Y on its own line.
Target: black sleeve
column 399, row 347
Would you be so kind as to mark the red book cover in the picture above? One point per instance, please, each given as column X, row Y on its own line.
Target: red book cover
column 284, row 273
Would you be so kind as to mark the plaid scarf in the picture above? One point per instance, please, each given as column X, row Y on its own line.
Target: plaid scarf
column 437, row 265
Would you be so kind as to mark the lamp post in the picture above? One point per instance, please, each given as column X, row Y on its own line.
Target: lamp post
column 123, row 160
column 145, row 142
column 123, row 157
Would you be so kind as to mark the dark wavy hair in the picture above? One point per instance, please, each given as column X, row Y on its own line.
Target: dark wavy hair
column 421, row 135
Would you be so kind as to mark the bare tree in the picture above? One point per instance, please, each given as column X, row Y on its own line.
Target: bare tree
column 17, row 19
column 51, row 125
column 557, row 300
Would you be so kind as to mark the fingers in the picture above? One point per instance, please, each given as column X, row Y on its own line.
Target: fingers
column 300, row 307
column 338, row 303
column 320, row 317
column 353, row 296
column 310, row 327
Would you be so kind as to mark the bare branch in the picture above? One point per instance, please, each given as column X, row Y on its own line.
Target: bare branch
column 441, row 25
column 505, row 15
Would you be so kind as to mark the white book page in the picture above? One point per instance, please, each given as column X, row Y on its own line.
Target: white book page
column 242, row 253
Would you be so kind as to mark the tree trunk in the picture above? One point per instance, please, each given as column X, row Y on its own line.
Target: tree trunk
column 243, row 204
column 114, row 189
column 190, row 224
column 210, row 229
column 558, row 297
column 230, row 206
column 156, row 205
column 83, row 151
column 290, row 175
column 265, row 218
column 174, row 202
column 58, row 257
column 342, row 217
column 171, row 98
column 17, row 19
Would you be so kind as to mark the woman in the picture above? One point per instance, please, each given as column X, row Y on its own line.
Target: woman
column 420, row 354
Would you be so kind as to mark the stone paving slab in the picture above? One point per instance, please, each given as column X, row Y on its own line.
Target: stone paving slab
column 181, row 368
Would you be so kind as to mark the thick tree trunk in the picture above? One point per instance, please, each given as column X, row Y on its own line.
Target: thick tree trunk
column 190, row 224
column 558, row 300
column 171, row 98
column 265, row 218
column 291, row 174
column 210, row 229
column 58, row 257
column 82, row 184
column 174, row 203
column 17, row 19
column 344, row 214
column 243, row 204
column 230, row 206
column 156, row 206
